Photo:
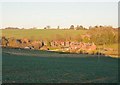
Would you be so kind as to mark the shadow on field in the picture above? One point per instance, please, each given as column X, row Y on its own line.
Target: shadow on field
column 52, row 67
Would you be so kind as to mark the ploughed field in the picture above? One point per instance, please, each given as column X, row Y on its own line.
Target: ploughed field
column 32, row 66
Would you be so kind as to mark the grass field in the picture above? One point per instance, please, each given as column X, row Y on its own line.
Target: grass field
column 40, row 33
column 31, row 66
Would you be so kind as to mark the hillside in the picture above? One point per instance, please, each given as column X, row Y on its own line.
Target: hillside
column 41, row 33
column 96, row 40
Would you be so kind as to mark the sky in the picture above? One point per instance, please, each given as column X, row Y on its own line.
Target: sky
column 63, row 14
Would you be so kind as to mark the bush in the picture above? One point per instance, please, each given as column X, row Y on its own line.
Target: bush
column 4, row 41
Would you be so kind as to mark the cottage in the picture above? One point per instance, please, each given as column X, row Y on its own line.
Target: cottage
column 93, row 47
column 25, row 40
column 57, row 43
column 62, row 43
column 89, row 46
column 52, row 43
column 18, row 41
column 36, row 44
column 67, row 43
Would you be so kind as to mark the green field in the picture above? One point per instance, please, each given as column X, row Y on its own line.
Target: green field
column 41, row 33
column 31, row 66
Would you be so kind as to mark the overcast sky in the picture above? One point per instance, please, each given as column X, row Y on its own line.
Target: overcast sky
column 63, row 14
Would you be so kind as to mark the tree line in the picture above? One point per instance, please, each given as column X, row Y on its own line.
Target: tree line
column 103, row 35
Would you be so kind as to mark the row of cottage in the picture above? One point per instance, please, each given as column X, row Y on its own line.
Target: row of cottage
column 74, row 45
column 44, row 45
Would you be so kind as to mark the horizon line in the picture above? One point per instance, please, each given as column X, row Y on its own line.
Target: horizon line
column 60, row 27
